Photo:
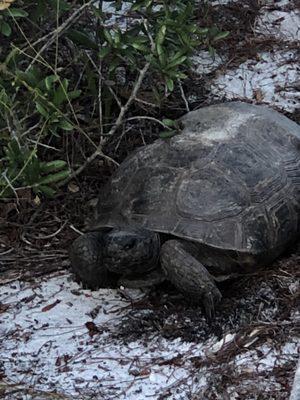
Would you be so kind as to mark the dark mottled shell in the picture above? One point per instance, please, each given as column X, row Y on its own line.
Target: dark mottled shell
column 230, row 180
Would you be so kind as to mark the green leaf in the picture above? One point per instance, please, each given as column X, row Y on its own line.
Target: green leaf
column 168, row 134
column 184, row 38
column 82, row 39
column 136, row 7
column 55, row 117
column 108, row 36
column 176, row 61
column 61, row 94
column 51, row 166
column 168, row 122
column 170, row 84
column 117, row 38
column 161, row 35
column 180, row 75
column 74, row 94
column 203, row 31
column 5, row 29
column 31, row 77
column 221, row 35
column 54, row 178
column 212, row 51
column 65, row 125
column 17, row 12
column 42, row 110
column 46, row 190
column 49, row 81
column 104, row 52
column 139, row 46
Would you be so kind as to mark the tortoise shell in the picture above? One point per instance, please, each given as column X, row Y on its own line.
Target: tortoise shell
column 230, row 180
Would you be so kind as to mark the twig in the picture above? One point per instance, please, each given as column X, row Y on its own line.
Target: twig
column 102, row 80
column 53, row 36
column 75, row 229
column 118, row 123
column 147, row 103
column 9, row 185
column 125, row 131
column 51, row 235
column 139, row 117
column 42, row 144
column 21, row 388
column 33, row 127
column 183, row 96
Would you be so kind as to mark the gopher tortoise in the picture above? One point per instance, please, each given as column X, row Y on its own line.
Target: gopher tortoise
column 219, row 199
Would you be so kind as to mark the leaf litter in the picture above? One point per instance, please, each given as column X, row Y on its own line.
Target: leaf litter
column 58, row 340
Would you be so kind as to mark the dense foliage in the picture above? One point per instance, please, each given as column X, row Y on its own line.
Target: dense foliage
column 71, row 71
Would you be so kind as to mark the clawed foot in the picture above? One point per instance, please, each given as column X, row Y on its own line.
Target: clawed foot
column 189, row 276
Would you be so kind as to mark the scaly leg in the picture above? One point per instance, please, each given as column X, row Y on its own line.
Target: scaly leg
column 189, row 276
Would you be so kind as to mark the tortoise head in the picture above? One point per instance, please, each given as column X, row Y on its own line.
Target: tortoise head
column 130, row 250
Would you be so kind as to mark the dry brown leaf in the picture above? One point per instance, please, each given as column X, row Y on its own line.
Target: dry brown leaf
column 258, row 95
column 50, row 306
column 4, row 307
column 73, row 188
column 37, row 200
column 4, row 4
column 92, row 328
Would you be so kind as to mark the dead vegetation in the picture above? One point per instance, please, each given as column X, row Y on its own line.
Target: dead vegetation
column 260, row 308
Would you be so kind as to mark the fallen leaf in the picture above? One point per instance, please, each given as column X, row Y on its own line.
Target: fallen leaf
column 73, row 188
column 95, row 312
column 92, row 328
column 258, row 95
column 50, row 306
column 28, row 299
column 4, row 4
column 3, row 307
column 37, row 200
column 58, row 362
column 145, row 372
column 173, row 361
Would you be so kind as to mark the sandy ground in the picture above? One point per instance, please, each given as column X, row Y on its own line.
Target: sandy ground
column 62, row 342
column 57, row 338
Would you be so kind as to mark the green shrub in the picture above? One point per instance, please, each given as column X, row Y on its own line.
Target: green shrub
column 60, row 87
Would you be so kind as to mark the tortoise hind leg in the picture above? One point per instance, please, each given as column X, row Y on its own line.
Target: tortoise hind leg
column 86, row 261
column 189, row 276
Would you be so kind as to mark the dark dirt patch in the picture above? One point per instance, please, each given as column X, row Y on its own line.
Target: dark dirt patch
column 34, row 238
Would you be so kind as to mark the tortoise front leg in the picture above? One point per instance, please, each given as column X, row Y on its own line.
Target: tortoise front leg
column 189, row 276
column 86, row 261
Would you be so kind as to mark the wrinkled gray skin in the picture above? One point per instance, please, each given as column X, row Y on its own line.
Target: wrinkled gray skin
column 217, row 200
